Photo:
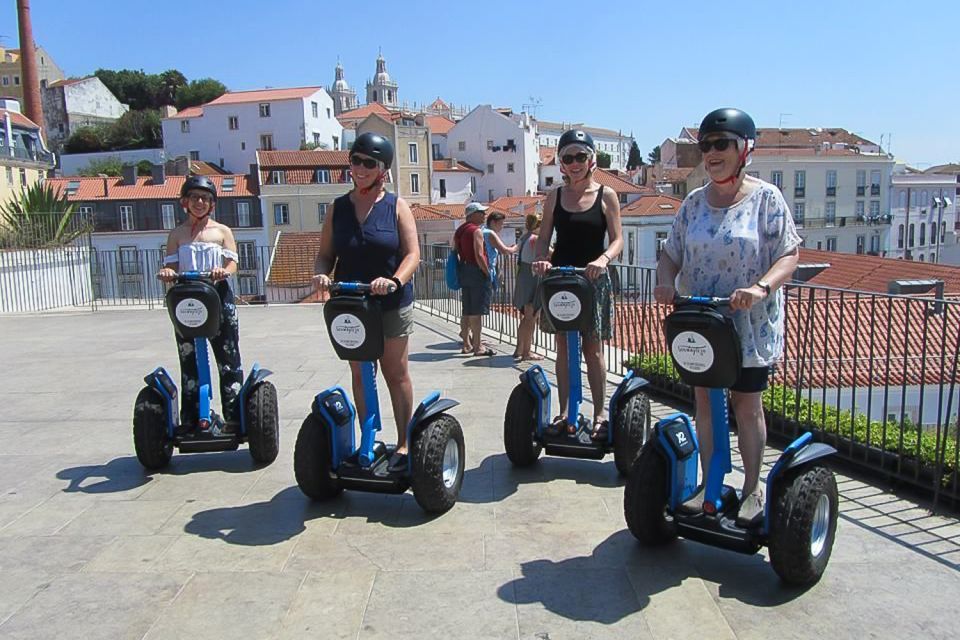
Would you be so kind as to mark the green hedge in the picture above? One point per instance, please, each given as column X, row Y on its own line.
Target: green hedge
column 883, row 435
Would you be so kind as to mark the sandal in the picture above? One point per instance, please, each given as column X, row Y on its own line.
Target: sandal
column 398, row 462
column 601, row 429
column 486, row 352
column 556, row 427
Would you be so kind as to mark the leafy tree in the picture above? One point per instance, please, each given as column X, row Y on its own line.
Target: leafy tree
column 635, row 159
column 87, row 140
column 136, row 130
column 134, row 88
column 144, row 168
column 199, row 92
column 106, row 166
column 171, row 81
column 38, row 216
column 654, row 156
column 603, row 159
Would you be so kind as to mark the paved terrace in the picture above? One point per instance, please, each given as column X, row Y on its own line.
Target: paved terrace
column 91, row 547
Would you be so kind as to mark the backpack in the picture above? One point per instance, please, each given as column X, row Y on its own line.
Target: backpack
column 452, row 271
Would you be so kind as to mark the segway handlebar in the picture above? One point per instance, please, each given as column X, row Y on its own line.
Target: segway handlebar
column 356, row 287
column 556, row 271
column 680, row 300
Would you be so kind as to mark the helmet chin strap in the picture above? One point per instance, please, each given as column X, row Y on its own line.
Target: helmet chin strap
column 742, row 159
column 376, row 184
column 198, row 222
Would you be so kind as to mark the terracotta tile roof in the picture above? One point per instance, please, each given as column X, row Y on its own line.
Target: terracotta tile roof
column 350, row 119
column 461, row 167
column 616, row 183
column 204, row 168
column 439, row 104
column 672, row 175
column 652, row 204
column 872, row 273
column 519, row 206
column 773, row 137
column 439, row 125
column 437, row 211
column 91, row 189
column 805, row 151
column 548, row 155
column 317, row 159
column 18, row 119
column 265, row 95
column 294, row 259
column 67, row 82
column 189, row 112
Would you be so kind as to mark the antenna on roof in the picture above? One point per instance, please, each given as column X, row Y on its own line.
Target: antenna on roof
column 532, row 106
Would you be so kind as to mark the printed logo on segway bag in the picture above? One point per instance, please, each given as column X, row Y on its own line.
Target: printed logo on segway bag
column 347, row 331
column 692, row 352
column 191, row 313
column 564, row 306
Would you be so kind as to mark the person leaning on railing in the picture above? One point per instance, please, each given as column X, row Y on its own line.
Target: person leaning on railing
column 372, row 238
column 525, row 298
column 734, row 237
column 585, row 215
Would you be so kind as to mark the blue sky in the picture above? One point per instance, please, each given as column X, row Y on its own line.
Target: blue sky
column 879, row 68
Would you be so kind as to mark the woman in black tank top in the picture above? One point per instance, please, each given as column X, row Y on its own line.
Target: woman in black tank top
column 584, row 215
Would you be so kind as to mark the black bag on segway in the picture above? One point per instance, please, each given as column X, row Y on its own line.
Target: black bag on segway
column 355, row 325
column 194, row 308
column 704, row 346
column 568, row 299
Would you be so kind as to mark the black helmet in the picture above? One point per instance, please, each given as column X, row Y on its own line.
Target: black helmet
column 375, row 146
column 732, row 121
column 202, row 183
column 575, row 136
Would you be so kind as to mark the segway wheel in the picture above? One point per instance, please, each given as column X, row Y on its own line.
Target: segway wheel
column 263, row 423
column 803, row 524
column 313, row 461
column 645, row 498
column 519, row 428
column 150, row 439
column 631, row 431
column 437, row 457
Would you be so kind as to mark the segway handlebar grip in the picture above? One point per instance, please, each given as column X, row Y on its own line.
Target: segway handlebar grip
column 554, row 271
column 356, row 287
column 703, row 300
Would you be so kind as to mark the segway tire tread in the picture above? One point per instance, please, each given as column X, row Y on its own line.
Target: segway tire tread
column 631, row 431
column 519, row 425
column 153, row 447
column 645, row 498
column 794, row 508
column 312, row 461
column 428, row 448
column 263, row 423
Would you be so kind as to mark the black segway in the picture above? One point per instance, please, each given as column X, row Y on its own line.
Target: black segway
column 568, row 298
column 194, row 307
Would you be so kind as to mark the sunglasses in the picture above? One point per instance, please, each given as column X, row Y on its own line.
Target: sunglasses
column 200, row 197
column 368, row 163
column 720, row 144
column 571, row 158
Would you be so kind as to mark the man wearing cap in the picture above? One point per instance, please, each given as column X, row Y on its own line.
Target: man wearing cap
column 475, row 286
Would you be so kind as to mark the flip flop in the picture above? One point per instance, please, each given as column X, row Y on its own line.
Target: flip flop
column 487, row 352
column 556, row 427
column 601, row 430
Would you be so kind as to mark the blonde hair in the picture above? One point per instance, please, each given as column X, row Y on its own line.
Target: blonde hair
column 532, row 221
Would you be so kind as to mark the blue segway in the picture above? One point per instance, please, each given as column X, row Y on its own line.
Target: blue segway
column 194, row 307
column 800, row 517
column 568, row 298
column 327, row 459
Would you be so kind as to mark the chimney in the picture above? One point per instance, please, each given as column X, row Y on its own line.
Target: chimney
column 158, row 173
column 254, row 175
column 33, row 107
column 168, row 111
column 129, row 174
column 106, row 187
column 806, row 272
column 453, row 163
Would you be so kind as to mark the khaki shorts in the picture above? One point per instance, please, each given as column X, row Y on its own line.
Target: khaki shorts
column 398, row 323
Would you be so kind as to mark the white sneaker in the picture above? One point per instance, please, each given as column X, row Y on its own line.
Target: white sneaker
column 694, row 504
column 751, row 510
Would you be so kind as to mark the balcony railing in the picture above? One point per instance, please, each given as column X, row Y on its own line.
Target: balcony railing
column 874, row 375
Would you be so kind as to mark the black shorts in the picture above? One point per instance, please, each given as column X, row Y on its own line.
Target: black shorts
column 752, row 380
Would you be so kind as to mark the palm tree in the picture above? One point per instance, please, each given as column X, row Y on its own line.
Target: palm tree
column 38, row 217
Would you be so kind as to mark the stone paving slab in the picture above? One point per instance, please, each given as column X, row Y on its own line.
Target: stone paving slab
column 215, row 546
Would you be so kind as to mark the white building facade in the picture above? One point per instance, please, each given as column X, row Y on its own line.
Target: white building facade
column 611, row 142
column 230, row 130
column 503, row 146
column 923, row 208
column 453, row 182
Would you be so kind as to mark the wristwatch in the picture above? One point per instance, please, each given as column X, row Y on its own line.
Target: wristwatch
column 399, row 284
column 763, row 284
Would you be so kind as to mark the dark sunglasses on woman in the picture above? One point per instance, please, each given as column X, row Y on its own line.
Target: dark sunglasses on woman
column 720, row 144
column 571, row 158
column 369, row 163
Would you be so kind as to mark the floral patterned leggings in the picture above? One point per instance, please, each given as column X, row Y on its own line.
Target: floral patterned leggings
column 226, row 350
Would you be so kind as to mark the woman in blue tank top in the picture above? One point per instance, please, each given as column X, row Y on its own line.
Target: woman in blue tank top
column 585, row 216
column 372, row 238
